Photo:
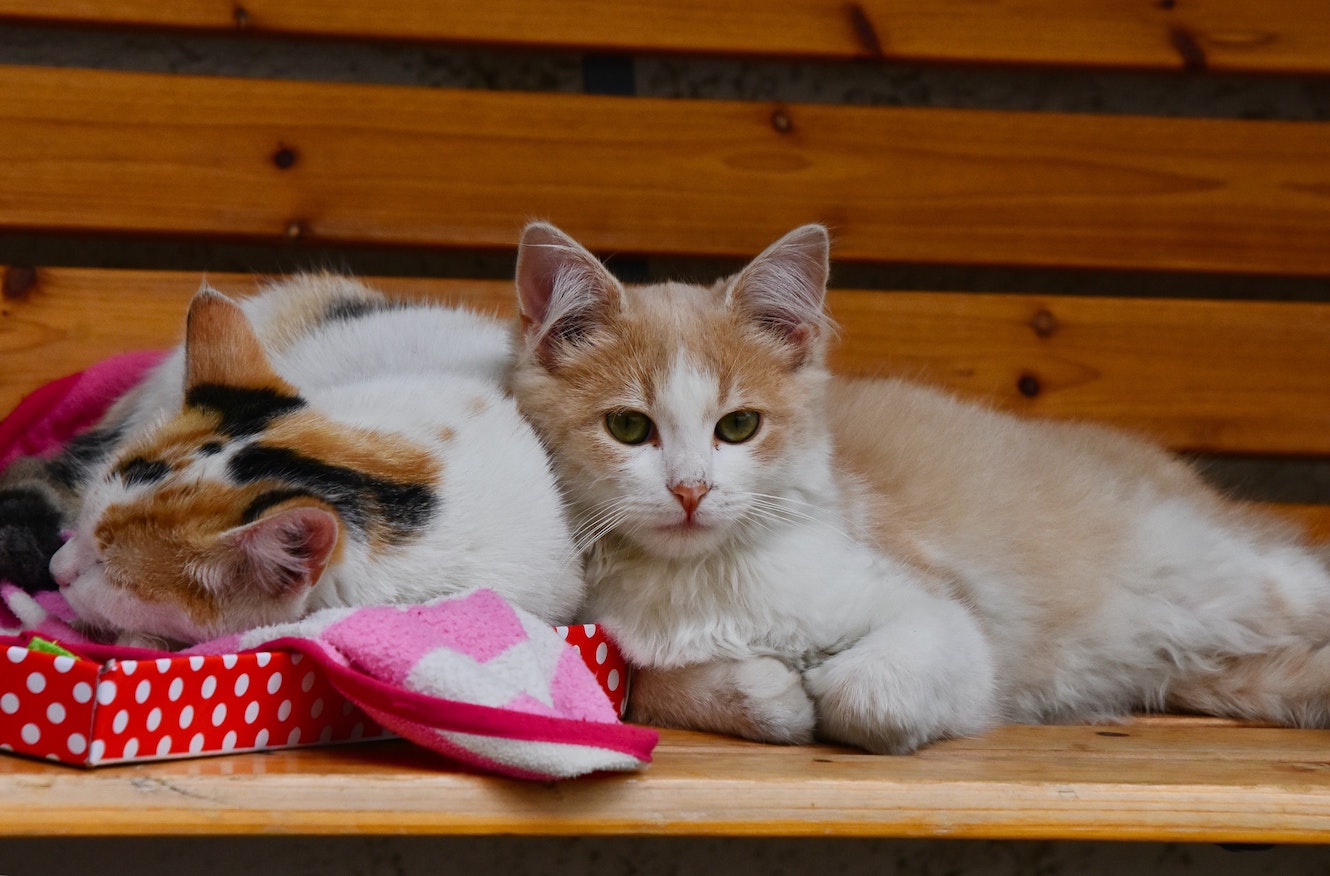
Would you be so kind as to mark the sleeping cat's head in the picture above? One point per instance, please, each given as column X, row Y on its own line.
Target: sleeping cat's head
column 191, row 531
column 678, row 416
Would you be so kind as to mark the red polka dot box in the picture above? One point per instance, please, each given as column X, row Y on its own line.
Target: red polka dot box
column 79, row 711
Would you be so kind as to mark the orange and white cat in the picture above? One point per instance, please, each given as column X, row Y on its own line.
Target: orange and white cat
column 791, row 555
column 315, row 446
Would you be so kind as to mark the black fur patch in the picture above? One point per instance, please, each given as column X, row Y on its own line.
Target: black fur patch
column 83, row 452
column 138, row 471
column 29, row 537
column 355, row 308
column 362, row 500
column 244, row 411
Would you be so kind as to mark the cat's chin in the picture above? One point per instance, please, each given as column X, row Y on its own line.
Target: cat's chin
column 681, row 541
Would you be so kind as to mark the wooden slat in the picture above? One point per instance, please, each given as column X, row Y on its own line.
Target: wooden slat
column 1196, row 375
column 1285, row 36
column 124, row 152
column 1228, row 376
column 1153, row 780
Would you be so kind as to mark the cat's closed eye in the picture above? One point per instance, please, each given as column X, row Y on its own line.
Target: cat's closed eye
column 737, row 427
column 139, row 471
column 630, row 427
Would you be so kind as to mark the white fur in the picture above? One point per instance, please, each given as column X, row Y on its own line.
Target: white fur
column 429, row 375
column 500, row 523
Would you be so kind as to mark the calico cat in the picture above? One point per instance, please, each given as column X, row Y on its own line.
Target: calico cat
column 791, row 555
column 316, row 445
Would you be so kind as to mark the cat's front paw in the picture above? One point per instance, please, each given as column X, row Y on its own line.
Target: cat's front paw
column 907, row 684
column 759, row 698
column 29, row 537
column 772, row 695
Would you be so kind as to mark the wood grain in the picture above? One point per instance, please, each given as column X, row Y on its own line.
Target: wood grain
column 95, row 151
column 1287, row 36
column 1197, row 375
column 1172, row 779
column 1224, row 376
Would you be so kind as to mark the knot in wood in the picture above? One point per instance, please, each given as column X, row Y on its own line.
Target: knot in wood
column 19, row 281
column 1028, row 385
column 285, row 157
column 1190, row 51
column 781, row 121
column 1044, row 322
column 864, row 31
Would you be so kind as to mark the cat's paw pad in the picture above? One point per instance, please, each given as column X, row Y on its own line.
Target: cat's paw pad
column 29, row 537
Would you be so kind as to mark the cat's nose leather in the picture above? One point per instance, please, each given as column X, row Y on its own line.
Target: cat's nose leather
column 689, row 495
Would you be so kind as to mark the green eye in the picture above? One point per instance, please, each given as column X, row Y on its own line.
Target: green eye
column 737, row 427
column 630, row 427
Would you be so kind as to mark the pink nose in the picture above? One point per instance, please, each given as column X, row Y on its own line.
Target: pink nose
column 689, row 495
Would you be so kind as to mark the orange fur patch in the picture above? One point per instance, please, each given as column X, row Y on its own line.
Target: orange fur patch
column 382, row 455
column 221, row 348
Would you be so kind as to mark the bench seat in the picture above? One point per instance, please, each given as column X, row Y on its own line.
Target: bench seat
column 1149, row 779
column 1156, row 205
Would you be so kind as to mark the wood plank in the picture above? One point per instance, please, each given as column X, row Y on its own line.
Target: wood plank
column 1230, row 376
column 96, row 151
column 1197, row 375
column 1148, row 781
column 1287, row 36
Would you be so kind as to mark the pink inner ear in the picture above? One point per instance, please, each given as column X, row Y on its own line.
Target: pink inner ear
column 288, row 550
column 784, row 288
column 563, row 289
column 542, row 254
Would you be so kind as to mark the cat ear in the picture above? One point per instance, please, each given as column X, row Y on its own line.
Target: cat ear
column 563, row 291
column 285, row 551
column 221, row 347
column 784, row 289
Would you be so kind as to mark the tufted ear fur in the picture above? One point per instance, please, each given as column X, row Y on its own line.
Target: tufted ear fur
column 563, row 291
column 284, row 552
column 784, row 289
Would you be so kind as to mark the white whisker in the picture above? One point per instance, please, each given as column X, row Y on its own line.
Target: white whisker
column 598, row 522
column 788, row 509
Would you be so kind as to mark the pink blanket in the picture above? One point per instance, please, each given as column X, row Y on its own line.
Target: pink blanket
column 469, row 676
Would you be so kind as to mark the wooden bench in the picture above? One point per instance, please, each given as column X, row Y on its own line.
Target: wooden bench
column 91, row 155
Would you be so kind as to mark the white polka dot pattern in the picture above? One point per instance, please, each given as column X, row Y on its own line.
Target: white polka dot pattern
column 169, row 707
column 186, row 706
column 604, row 660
